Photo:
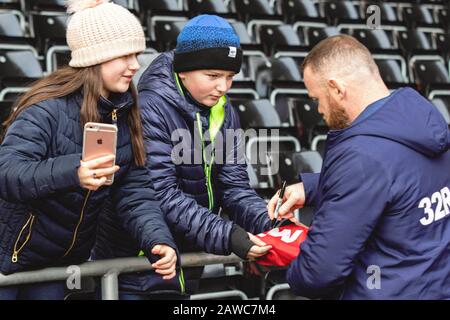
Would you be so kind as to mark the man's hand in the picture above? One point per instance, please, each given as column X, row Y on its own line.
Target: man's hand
column 165, row 266
column 294, row 198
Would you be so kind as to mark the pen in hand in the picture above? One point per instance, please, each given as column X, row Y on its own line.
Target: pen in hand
column 279, row 203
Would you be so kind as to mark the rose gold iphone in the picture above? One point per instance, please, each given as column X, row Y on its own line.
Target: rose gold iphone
column 99, row 140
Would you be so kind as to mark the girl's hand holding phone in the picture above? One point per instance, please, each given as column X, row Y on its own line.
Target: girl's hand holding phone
column 92, row 174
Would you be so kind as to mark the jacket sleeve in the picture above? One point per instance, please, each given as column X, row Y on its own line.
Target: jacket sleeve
column 355, row 193
column 139, row 212
column 310, row 184
column 26, row 172
column 195, row 223
column 239, row 200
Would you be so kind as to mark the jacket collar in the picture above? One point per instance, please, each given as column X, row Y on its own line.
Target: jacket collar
column 120, row 101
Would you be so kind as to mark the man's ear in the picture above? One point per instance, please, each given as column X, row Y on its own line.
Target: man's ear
column 182, row 75
column 336, row 88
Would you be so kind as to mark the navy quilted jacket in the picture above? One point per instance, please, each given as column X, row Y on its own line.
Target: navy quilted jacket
column 46, row 218
column 181, row 187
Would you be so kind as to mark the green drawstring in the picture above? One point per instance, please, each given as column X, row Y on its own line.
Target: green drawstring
column 180, row 276
column 181, row 280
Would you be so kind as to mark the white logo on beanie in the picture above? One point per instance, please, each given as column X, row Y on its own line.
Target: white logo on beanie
column 232, row 52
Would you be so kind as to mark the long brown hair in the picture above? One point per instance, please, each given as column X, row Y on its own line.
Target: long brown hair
column 68, row 80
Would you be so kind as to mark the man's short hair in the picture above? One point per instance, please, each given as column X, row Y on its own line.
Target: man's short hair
column 341, row 53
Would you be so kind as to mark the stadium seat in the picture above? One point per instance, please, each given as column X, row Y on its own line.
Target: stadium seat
column 48, row 28
column 443, row 105
column 295, row 10
column 443, row 17
column 256, row 152
column 254, row 13
column 417, row 15
column 125, row 3
column 309, row 119
column 248, row 9
column 278, row 37
column 5, row 110
column 166, row 33
column 340, row 11
column 315, row 35
column 286, row 166
column 430, row 72
column 18, row 63
column 160, row 6
column 391, row 72
column 45, row 5
column 319, row 144
column 12, row 24
column 18, row 68
column 57, row 57
column 413, row 41
column 197, row 7
column 442, row 41
column 10, row 4
column 258, row 114
column 241, row 30
column 374, row 39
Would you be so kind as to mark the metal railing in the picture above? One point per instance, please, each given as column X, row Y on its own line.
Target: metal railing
column 110, row 269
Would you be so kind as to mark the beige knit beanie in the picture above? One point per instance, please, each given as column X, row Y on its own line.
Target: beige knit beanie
column 99, row 31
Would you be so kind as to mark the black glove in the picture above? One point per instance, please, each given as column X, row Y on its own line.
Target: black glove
column 240, row 242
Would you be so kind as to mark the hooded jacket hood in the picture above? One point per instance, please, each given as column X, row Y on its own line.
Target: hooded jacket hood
column 421, row 128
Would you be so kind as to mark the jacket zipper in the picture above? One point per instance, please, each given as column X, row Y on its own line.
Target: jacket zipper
column 78, row 224
column 16, row 251
column 114, row 116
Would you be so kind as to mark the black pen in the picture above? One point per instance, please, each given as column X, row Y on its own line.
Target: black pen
column 279, row 202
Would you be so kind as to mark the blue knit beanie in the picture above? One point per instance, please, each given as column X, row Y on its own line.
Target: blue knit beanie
column 207, row 42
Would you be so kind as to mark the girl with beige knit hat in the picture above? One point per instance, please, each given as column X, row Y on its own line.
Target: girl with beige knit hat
column 50, row 200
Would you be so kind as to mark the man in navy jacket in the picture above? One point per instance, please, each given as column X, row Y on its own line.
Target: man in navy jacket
column 381, row 228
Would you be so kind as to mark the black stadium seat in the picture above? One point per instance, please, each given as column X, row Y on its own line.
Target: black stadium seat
column 429, row 72
column 413, row 41
column 340, row 11
column 258, row 114
column 295, row 10
column 248, row 9
column 208, row 6
column 390, row 71
column 10, row 4
column 315, row 35
column 49, row 28
column 443, row 105
column 374, row 39
column 5, row 110
column 19, row 64
column 10, row 25
column 417, row 15
column 281, row 37
column 38, row 5
column 166, row 33
column 286, row 166
column 159, row 6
